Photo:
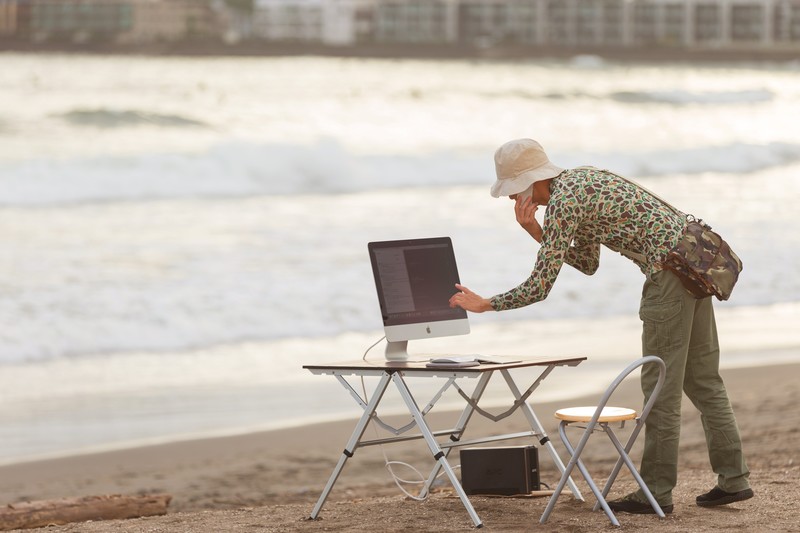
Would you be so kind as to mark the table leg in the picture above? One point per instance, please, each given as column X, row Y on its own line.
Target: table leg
column 460, row 427
column 536, row 426
column 434, row 447
column 355, row 438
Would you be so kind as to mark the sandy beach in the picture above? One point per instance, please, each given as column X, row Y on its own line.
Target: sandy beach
column 270, row 481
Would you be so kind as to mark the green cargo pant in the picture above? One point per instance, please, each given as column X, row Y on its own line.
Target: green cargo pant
column 682, row 331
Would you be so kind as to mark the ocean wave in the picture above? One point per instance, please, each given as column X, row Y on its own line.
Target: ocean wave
column 252, row 169
column 681, row 97
column 735, row 158
column 675, row 97
column 119, row 118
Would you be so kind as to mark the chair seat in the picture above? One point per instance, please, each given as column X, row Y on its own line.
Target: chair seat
column 585, row 414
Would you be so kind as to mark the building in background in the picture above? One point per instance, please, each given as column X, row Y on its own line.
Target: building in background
column 737, row 24
column 155, row 21
column 327, row 22
column 79, row 20
column 289, row 20
column 629, row 23
column 108, row 21
column 466, row 24
column 416, row 21
column 8, row 18
column 483, row 23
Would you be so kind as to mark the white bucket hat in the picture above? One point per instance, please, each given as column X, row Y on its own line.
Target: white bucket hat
column 519, row 164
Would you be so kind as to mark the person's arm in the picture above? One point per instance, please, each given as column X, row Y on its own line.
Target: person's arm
column 469, row 301
column 525, row 212
column 583, row 256
column 559, row 230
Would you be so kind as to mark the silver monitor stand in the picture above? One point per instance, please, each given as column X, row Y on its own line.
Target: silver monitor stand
column 397, row 351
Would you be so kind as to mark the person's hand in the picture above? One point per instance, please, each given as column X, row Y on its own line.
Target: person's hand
column 525, row 211
column 469, row 301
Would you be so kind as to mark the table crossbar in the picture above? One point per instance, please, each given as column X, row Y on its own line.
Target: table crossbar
column 484, row 440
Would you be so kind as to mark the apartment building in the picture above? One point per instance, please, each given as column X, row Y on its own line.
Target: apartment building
column 484, row 23
column 119, row 21
column 569, row 23
column 718, row 24
column 170, row 20
column 682, row 23
column 79, row 20
column 8, row 18
column 416, row 21
column 329, row 22
column 709, row 24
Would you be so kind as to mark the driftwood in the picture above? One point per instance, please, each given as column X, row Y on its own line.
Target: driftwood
column 26, row 515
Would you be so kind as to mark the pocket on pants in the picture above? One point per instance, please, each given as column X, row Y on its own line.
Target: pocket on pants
column 662, row 331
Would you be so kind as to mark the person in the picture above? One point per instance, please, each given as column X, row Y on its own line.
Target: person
column 587, row 207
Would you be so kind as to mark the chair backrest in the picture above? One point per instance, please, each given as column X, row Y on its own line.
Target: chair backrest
column 662, row 374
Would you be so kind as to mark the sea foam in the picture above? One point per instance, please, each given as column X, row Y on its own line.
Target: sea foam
column 252, row 169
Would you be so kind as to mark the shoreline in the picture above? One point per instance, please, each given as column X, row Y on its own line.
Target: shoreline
column 710, row 55
column 739, row 361
column 748, row 339
column 153, row 467
column 140, row 400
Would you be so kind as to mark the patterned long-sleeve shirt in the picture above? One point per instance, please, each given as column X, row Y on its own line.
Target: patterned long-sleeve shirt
column 589, row 207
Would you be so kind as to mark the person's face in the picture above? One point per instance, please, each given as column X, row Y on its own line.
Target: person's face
column 539, row 193
column 527, row 193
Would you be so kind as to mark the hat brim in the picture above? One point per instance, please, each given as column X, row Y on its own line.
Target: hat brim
column 515, row 185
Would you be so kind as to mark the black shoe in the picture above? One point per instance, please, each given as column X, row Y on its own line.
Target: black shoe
column 630, row 505
column 717, row 496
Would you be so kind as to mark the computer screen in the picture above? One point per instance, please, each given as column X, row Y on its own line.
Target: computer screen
column 415, row 279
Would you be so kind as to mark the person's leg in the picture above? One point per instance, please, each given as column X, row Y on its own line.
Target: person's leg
column 705, row 388
column 667, row 312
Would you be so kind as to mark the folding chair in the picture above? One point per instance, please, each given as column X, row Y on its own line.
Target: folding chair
column 598, row 418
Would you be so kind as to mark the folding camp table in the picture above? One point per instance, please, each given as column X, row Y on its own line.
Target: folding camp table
column 398, row 373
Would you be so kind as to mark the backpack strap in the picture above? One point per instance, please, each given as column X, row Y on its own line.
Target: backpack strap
column 640, row 186
column 639, row 258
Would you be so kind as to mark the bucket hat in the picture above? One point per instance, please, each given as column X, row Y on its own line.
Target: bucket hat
column 519, row 164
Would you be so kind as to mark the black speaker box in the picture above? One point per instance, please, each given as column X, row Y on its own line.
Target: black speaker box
column 505, row 471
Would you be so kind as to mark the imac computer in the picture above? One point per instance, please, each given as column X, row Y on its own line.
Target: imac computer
column 415, row 279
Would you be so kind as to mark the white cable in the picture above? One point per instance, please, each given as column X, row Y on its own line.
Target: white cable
column 398, row 480
column 364, row 358
column 387, row 463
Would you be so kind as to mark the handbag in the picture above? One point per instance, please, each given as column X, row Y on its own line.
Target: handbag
column 702, row 260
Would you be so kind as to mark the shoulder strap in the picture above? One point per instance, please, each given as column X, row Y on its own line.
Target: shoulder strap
column 645, row 189
column 627, row 253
